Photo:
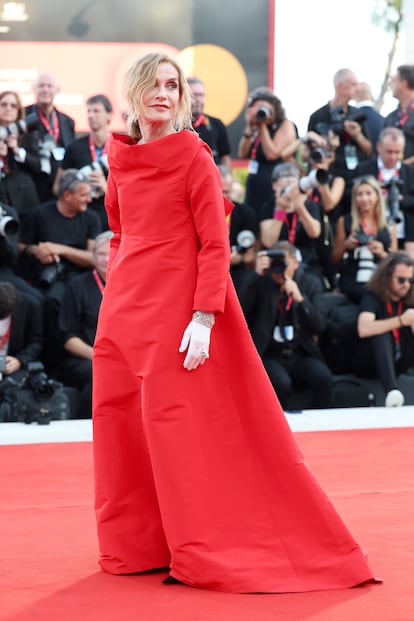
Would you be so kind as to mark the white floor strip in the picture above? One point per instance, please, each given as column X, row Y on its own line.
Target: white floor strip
column 308, row 420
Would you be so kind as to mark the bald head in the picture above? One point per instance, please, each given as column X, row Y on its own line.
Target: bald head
column 46, row 87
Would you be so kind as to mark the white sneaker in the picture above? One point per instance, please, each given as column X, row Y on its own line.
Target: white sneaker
column 394, row 399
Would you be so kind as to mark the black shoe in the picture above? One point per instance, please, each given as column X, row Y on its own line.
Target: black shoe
column 171, row 580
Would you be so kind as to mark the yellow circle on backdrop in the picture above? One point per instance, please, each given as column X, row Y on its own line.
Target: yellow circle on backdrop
column 224, row 78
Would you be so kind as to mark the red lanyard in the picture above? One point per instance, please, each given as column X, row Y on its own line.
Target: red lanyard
column 255, row 147
column 288, row 305
column 92, row 148
column 404, row 117
column 292, row 228
column 5, row 337
column 200, row 120
column 53, row 131
column 98, row 281
column 367, row 231
column 396, row 331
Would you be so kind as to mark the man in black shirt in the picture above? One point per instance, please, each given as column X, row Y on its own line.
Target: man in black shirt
column 402, row 86
column 337, row 117
column 385, row 325
column 78, row 318
column 210, row 129
column 56, row 243
column 90, row 151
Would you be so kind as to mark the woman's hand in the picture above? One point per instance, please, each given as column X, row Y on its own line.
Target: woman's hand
column 196, row 338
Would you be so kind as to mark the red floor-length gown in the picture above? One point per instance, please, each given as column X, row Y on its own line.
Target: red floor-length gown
column 196, row 469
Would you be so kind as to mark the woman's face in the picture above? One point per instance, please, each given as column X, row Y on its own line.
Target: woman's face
column 161, row 100
column 8, row 109
column 366, row 198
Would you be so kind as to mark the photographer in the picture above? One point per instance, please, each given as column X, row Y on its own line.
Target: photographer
column 19, row 156
column 78, row 318
column 290, row 216
column 21, row 331
column 350, row 126
column 9, row 252
column 397, row 181
column 285, row 323
column 89, row 154
column 55, row 132
column 56, row 244
column 386, row 325
column 267, row 133
column 362, row 238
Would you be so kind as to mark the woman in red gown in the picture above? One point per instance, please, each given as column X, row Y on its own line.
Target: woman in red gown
column 195, row 464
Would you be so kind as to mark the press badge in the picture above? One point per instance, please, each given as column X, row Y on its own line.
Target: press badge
column 58, row 153
column 282, row 338
column 253, row 167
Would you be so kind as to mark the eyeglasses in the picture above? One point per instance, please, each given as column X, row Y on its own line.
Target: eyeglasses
column 402, row 279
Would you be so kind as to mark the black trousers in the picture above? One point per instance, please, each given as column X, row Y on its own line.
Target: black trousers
column 77, row 372
column 376, row 358
column 298, row 368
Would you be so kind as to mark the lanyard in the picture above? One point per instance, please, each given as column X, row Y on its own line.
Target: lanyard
column 405, row 116
column 92, row 148
column 288, row 304
column 396, row 331
column 200, row 120
column 292, row 228
column 255, row 147
column 52, row 130
column 98, row 281
column 5, row 337
column 366, row 229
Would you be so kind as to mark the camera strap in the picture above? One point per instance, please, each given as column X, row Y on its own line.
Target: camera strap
column 382, row 180
column 54, row 129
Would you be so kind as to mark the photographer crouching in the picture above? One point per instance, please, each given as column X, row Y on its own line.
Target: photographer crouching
column 56, row 244
column 285, row 323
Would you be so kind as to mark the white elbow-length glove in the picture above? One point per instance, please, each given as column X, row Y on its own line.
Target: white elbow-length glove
column 196, row 338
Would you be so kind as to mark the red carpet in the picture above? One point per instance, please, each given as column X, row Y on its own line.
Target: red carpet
column 48, row 551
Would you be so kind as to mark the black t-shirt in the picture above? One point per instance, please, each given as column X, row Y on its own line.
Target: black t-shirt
column 214, row 133
column 79, row 309
column 46, row 223
column 371, row 304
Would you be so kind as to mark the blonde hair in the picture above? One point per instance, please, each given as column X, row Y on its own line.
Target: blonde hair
column 379, row 207
column 140, row 77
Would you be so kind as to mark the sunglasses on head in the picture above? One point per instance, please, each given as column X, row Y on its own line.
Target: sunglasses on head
column 403, row 279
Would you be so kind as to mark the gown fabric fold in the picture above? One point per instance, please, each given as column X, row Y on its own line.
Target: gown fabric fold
column 195, row 469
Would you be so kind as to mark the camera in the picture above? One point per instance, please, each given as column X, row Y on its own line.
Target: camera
column 8, row 225
column 318, row 154
column 102, row 165
column 45, row 151
column 316, row 177
column 362, row 238
column 278, row 263
column 244, row 241
column 50, row 274
column 24, row 126
column 38, row 382
column 263, row 113
column 338, row 116
column 393, row 200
